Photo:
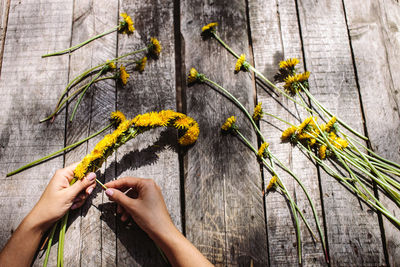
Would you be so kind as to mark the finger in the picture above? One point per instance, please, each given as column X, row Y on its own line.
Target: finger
column 82, row 184
column 90, row 189
column 126, row 182
column 78, row 204
column 124, row 217
column 120, row 209
column 79, row 197
column 119, row 197
column 69, row 171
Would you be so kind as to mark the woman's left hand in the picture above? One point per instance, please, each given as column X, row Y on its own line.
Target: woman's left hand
column 59, row 197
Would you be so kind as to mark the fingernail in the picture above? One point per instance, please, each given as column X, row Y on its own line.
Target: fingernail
column 91, row 176
column 74, row 206
column 90, row 190
column 109, row 192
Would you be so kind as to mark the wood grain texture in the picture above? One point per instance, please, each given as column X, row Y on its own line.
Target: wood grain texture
column 224, row 206
column 375, row 40
column 353, row 231
column 153, row 154
column 275, row 36
column 29, row 86
column 88, row 231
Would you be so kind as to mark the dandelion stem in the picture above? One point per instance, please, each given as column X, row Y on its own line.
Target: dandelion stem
column 49, row 243
column 84, row 91
column 75, row 47
column 57, row 152
column 72, row 96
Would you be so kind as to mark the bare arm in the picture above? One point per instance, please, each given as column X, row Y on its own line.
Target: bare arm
column 55, row 201
column 149, row 211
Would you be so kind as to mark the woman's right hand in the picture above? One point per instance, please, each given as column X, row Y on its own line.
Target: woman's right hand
column 144, row 203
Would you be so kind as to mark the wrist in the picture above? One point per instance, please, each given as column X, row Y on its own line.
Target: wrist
column 36, row 223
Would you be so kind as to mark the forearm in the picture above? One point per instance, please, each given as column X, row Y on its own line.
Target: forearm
column 22, row 246
column 179, row 251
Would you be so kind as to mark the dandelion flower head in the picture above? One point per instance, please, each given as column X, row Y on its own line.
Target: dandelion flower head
column 289, row 63
column 229, row 123
column 123, row 75
column 155, row 47
column 272, row 182
column 258, row 112
column 262, row 153
column 126, row 26
column 209, row 28
column 239, row 63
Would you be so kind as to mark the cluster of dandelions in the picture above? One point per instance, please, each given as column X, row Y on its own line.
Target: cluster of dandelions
column 326, row 143
column 105, row 71
column 266, row 158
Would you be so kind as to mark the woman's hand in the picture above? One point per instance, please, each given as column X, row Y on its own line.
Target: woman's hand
column 59, row 197
column 144, row 203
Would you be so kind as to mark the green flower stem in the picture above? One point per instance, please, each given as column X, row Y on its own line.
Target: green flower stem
column 300, row 212
column 330, row 114
column 332, row 148
column 276, row 117
column 374, row 157
column 49, row 243
column 79, row 78
column 387, row 178
column 224, row 45
column 75, row 47
column 237, row 102
column 259, row 74
column 72, row 96
column 101, row 184
column 57, row 152
column 84, row 91
column 291, row 201
column 308, row 198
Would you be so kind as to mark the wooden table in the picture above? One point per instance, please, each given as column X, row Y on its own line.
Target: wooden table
column 214, row 189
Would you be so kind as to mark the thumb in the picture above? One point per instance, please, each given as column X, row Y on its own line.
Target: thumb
column 82, row 184
column 119, row 197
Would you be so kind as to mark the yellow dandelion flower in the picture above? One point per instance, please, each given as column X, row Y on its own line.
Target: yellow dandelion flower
column 126, row 26
column 322, row 152
column 183, row 123
column 155, row 47
column 123, row 75
column 292, row 82
column 288, row 133
column 308, row 124
column 312, row 141
column 262, row 153
column 328, row 127
column 229, row 123
column 140, row 65
column 166, row 116
column 190, row 136
column 304, row 76
column 239, row 63
column 258, row 112
column 111, row 64
column 272, row 182
column 289, row 63
column 209, row 28
column 193, row 76
column 118, row 116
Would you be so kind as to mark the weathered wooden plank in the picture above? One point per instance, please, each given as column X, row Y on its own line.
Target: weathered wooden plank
column 224, row 206
column 149, row 155
column 4, row 10
column 275, row 36
column 84, row 245
column 29, row 88
column 353, row 231
column 374, row 42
